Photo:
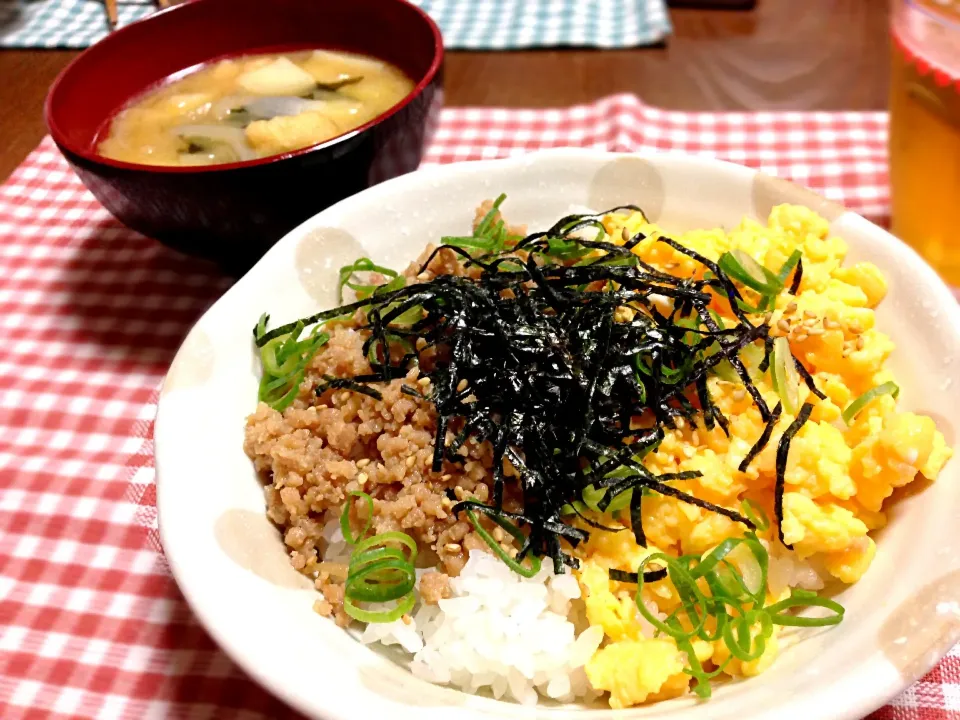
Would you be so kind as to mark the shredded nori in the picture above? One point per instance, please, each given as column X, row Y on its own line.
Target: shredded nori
column 762, row 440
column 797, row 277
column 783, row 452
column 632, row 577
column 530, row 356
column 332, row 383
column 808, row 379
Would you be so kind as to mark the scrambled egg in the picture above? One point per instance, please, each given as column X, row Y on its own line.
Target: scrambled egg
column 837, row 477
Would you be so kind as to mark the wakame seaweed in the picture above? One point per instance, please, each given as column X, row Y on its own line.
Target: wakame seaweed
column 570, row 356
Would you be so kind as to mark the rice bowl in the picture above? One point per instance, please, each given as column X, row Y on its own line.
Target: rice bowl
column 303, row 304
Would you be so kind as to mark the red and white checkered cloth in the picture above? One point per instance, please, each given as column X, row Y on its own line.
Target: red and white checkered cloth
column 91, row 623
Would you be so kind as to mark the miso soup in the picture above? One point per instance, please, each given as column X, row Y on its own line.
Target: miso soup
column 253, row 106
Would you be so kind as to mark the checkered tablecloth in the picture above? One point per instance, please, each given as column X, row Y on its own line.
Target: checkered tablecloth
column 91, row 623
column 466, row 24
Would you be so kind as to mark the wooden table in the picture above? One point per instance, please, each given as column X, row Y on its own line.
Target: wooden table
column 785, row 54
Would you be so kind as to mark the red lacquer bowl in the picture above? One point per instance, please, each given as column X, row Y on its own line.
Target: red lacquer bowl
column 233, row 213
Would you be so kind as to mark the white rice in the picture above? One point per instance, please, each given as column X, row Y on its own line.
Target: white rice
column 499, row 631
column 786, row 570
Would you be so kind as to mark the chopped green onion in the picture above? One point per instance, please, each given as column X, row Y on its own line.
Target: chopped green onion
column 743, row 268
column 488, row 236
column 514, row 531
column 735, row 572
column 861, row 402
column 786, row 379
column 284, row 360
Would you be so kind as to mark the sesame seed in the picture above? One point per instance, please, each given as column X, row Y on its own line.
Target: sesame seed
column 860, row 343
column 363, row 462
column 688, row 451
column 815, row 331
column 452, row 548
column 625, row 234
column 800, row 337
column 445, row 477
column 855, row 328
column 424, row 381
column 739, row 394
column 783, row 325
column 791, row 308
column 411, row 461
column 462, row 385
column 362, row 478
column 830, row 324
column 406, row 619
column 809, row 314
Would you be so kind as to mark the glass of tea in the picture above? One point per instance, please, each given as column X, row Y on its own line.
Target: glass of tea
column 925, row 130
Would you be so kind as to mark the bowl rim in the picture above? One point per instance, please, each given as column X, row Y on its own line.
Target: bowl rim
column 867, row 696
column 94, row 157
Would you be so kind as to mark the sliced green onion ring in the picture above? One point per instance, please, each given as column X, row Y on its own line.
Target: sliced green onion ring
column 345, row 517
column 379, row 616
column 378, row 571
column 693, row 601
column 362, row 265
column 887, row 388
column 788, row 267
column 786, row 379
column 755, row 514
column 514, row 531
column 388, row 537
column 805, row 598
column 743, row 268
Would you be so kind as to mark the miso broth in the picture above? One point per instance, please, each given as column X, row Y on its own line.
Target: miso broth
column 254, row 106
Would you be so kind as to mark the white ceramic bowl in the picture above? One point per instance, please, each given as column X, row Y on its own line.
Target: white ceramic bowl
column 230, row 562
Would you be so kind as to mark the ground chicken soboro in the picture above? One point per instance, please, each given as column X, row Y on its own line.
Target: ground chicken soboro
column 321, row 448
